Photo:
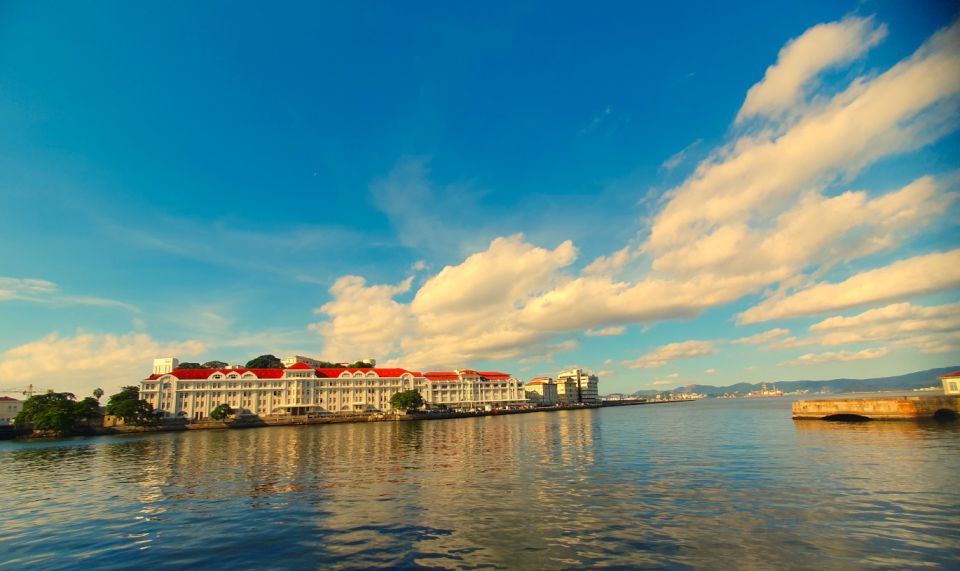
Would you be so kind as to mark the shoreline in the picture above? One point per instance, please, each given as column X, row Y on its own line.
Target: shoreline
column 260, row 422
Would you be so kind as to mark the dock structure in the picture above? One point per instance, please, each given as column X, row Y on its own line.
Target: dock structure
column 879, row 408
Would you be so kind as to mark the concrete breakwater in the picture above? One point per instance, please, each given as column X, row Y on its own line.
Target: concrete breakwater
column 878, row 408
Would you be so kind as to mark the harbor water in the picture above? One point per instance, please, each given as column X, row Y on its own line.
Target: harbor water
column 699, row 485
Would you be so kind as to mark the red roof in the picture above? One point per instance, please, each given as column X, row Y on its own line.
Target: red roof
column 300, row 366
column 9, row 398
column 495, row 375
column 950, row 375
column 333, row 373
column 198, row 374
column 536, row 383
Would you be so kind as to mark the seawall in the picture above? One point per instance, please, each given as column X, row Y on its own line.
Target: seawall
column 878, row 408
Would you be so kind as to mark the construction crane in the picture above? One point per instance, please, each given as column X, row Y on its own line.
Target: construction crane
column 28, row 391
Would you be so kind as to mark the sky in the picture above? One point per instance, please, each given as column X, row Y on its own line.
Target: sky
column 664, row 193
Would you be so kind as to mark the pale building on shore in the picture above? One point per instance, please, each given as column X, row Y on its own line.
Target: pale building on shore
column 578, row 386
column 9, row 409
column 542, row 391
column 301, row 389
column 951, row 383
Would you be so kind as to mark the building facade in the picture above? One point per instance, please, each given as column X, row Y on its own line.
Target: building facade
column 301, row 389
column 542, row 391
column 9, row 409
column 468, row 389
column 951, row 383
column 578, row 386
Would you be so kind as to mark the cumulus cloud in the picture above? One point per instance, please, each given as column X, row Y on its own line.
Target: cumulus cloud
column 837, row 356
column 363, row 321
column 757, row 175
column 802, row 59
column 464, row 313
column 929, row 329
column 899, row 280
column 763, row 337
column 86, row 361
column 672, row 352
column 711, row 371
column 605, row 332
column 758, row 213
column 547, row 354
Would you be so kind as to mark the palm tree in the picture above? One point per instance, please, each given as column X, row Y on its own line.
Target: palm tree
column 97, row 393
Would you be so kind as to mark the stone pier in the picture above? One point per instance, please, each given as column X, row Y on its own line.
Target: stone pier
column 878, row 408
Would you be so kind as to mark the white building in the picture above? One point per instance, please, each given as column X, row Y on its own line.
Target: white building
column 468, row 389
column 951, row 383
column 300, row 389
column 578, row 386
column 9, row 409
column 542, row 390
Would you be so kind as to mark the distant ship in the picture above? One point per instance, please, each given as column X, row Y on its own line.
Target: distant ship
column 764, row 392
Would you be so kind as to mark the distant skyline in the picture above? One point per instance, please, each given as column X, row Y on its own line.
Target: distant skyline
column 666, row 195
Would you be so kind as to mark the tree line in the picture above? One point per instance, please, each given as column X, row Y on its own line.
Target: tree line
column 271, row 362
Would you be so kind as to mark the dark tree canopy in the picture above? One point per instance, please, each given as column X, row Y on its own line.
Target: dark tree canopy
column 127, row 406
column 214, row 365
column 221, row 411
column 57, row 412
column 361, row 365
column 265, row 362
column 190, row 366
column 406, row 400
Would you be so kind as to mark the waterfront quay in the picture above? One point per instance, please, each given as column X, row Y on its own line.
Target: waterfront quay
column 878, row 408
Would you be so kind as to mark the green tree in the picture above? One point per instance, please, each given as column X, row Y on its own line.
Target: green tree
column 55, row 412
column 406, row 400
column 265, row 362
column 361, row 365
column 97, row 393
column 214, row 365
column 127, row 406
column 221, row 411
column 88, row 409
column 190, row 366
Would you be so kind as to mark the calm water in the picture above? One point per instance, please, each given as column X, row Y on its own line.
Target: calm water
column 711, row 484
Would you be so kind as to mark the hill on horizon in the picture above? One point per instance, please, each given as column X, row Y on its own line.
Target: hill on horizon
column 908, row 381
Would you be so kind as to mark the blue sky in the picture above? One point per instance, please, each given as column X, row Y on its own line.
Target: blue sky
column 664, row 194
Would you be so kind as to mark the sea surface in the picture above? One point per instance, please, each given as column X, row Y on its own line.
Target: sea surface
column 714, row 484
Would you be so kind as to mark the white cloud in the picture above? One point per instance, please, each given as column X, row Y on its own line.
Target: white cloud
column 680, row 156
column 838, row 356
column 672, row 352
column 711, row 371
column 933, row 329
column 758, row 212
column 759, row 175
column 47, row 292
column 547, row 355
column 802, row 59
column 363, row 321
column 763, row 337
column 899, row 280
column 466, row 312
column 86, row 361
column 605, row 332
column 605, row 373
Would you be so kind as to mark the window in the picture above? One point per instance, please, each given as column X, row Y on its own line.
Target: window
column 952, row 386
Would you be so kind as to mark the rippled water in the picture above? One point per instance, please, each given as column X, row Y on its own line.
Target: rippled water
column 711, row 484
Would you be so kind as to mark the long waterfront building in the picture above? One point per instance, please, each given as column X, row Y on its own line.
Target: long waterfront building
column 301, row 388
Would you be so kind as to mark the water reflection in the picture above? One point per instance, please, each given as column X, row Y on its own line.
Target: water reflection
column 700, row 485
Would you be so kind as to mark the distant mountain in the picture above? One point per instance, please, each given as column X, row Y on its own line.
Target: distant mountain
column 909, row 381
